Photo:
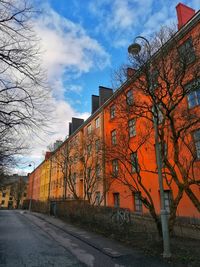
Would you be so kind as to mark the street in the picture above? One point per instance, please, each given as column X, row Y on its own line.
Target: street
column 22, row 243
column 27, row 240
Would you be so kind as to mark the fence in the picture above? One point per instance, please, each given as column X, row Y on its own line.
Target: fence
column 111, row 221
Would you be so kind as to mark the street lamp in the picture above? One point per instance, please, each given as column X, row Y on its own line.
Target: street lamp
column 134, row 49
column 30, row 202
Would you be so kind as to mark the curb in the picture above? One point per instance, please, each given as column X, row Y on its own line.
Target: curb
column 107, row 251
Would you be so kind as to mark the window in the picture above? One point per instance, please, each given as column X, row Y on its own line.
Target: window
column 24, row 194
column 98, row 198
column 197, row 142
column 157, row 113
column 167, row 199
column 129, row 97
column 97, row 145
column 112, row 111
column 154, row 79
column 134, row 162
column 186, row 52
column 10, row 198
column 131, row 126
column 97, row 122
column 163, row 152
column 88, row 173
column 74, row 178
column 194, row 98
column 115, row 168
column 89, row 129
column 98, row 170
column 114, row 137
column 4, row 194
column 89, row 149
column 137, row 202
column 3, row 202
column 160, row 115
column 116, row 200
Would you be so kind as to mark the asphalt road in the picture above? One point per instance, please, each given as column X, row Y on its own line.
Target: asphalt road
column 22, row 243
column 29, row 241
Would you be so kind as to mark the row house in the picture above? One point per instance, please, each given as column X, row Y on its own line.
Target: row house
column 110, row 158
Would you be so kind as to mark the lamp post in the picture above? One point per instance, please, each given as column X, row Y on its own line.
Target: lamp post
column 30, row 202
column 134, row 49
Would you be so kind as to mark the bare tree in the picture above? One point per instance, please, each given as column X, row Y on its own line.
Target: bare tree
column 22, row 83
column 63, row 160
column 168, row 73
column 80, row 161
column 17, row 191
column 92, row 172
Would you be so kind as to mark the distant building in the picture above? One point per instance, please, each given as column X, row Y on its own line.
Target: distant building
column 13, row 191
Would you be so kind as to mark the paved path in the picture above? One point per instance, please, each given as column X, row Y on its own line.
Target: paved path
column 32, row 239
column 22, row 243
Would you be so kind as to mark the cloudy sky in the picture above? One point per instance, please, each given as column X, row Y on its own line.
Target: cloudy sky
column 83, row 41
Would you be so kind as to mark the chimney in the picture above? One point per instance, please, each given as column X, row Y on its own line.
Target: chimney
column 130, row 72
column 75, row 124
column 70, row 128
column 184, row 14
column 95, row 103
column 104, row 94
column 57, row 144
column 47, row 155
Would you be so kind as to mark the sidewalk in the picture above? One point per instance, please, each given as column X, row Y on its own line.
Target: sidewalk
column 185, row 251
column 107, row 246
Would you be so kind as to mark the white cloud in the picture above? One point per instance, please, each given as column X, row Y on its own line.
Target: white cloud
column 63, row 113
column 67, row 53
column 68, row 50
column 121, row 20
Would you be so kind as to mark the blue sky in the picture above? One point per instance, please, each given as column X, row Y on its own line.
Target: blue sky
column 83, row 41
column 105, row 29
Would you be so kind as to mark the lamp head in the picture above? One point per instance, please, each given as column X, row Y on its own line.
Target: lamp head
column 134, row 49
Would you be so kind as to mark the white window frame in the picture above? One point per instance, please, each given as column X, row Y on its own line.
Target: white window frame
column 137, row 202
column 98, row 170
column 98, row 198
column 167, row 200
column 134, row 162
column 89, row 149
column 115, row 167
column 187, row 52
column 97, row 145
column 89, row 129
column 116, row 199
column 129, row 97
column 196, row 135
column 114, row 137
column 194, row 98
column 97, row 122
column 112, row 111
column 131, row 128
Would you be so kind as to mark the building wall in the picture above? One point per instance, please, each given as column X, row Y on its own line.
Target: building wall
column 78, row 160
column 44, row 181
column 7, row 199
column 146, row 153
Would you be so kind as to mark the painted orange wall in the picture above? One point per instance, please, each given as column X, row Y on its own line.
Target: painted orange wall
column 146, row 155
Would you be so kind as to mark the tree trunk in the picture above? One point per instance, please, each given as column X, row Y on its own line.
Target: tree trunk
column 157, row 221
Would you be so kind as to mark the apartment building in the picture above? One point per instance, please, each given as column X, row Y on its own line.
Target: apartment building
column 110, row 158
column 13, row 191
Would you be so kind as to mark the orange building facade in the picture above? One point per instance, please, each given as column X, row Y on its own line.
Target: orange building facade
column 110, row 158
